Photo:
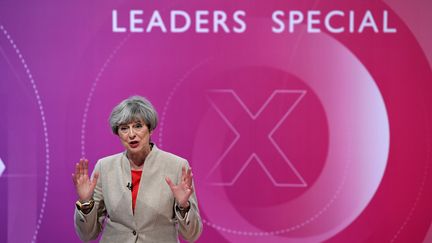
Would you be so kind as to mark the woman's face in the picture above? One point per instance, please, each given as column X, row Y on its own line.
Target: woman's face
column 135, row 136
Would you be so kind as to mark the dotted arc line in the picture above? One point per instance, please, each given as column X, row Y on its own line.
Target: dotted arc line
column 172, row 93
column 92, row 90
column 423, row 182
column 44, row 124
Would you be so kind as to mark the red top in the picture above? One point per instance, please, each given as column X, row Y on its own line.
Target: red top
column 136, row 177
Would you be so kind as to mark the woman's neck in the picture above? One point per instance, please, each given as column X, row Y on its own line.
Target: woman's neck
column 137, row 159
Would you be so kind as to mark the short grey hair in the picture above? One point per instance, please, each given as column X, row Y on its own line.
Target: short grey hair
column 132, row 109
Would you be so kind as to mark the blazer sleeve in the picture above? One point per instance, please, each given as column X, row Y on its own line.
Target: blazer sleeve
column 190, row 226
column 88, row 226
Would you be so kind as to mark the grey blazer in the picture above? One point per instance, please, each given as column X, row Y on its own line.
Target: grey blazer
column 155, row 218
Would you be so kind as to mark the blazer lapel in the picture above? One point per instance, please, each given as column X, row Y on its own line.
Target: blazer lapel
column 126, row 180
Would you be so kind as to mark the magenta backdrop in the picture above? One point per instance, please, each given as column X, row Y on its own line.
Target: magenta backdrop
column 307, row 135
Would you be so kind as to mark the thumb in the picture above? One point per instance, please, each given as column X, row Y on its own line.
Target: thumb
column 95, row 179
column 74, row 179
column 169, row 182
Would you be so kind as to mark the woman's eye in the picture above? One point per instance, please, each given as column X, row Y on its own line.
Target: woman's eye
column 123, row 128
column 139, row 125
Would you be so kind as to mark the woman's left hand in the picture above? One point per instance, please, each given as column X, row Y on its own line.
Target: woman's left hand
column 184, row 189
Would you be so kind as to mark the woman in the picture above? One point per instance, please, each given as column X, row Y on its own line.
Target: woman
column 141, row 194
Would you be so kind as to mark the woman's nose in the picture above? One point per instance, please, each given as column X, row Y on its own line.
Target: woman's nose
column 131, row 133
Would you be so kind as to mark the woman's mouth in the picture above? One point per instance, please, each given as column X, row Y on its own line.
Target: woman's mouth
column 133, row 144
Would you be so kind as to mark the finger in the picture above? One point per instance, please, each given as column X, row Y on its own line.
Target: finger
column 188, row 172
column 81, row 167
column 77, row 171
column 95, row 177
column 94, row 180
column 189, row 178
column 85, row 167
column 190, row 185
column 169, row 182
column 183, row 177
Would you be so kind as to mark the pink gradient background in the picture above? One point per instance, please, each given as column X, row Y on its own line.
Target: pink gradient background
column 360, row 137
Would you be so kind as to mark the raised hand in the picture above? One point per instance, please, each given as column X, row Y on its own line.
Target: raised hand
column 184, row 189
column 83, row 185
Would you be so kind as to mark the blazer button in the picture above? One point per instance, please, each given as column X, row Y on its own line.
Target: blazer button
column 134, row 232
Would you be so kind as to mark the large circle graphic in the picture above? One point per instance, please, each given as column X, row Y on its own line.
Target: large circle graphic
column 353, row 112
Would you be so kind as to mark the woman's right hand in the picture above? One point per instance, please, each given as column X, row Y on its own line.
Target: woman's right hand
column 83, row 185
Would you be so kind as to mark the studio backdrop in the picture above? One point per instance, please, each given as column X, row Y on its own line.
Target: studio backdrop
column 303, row 121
